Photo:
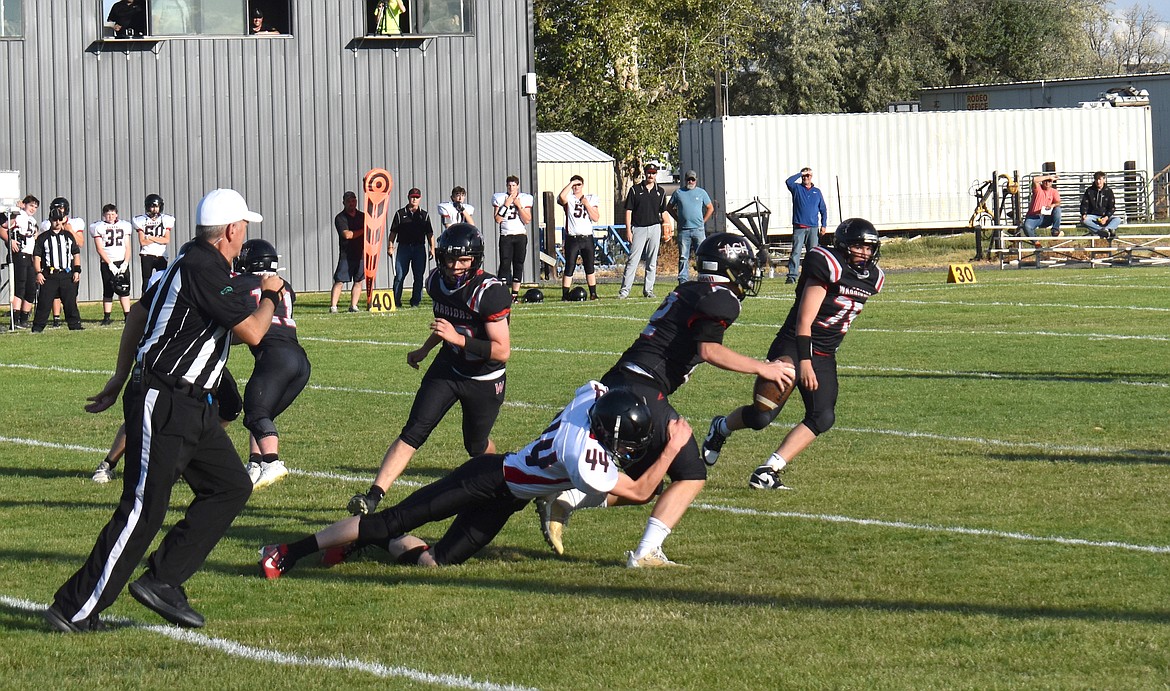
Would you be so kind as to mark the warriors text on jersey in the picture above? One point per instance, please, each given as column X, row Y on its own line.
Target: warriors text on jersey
column 667, row 350
column 115, row 238
column 512, row 225
column 847, row 292
column 283, row 328
column 482, row 298
column 155, row 227
column 564, row 456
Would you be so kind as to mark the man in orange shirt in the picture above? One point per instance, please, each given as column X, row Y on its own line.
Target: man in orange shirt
column 1044, row 211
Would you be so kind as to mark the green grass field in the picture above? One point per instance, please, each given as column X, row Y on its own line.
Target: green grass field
column 990, row 511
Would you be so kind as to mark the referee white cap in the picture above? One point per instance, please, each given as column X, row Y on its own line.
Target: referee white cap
column 223, row 206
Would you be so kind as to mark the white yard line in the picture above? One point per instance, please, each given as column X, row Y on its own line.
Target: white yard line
column 980, row 532
column 267, row 655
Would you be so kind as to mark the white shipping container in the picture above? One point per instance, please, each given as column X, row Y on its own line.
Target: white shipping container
column 902, row 170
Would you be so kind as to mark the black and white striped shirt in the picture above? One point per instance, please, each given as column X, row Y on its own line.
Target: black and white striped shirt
column 56, row 250
column 190, row 313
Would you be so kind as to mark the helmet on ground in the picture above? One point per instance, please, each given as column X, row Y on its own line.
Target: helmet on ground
column 257, row 256
column 578, row 294
column 153, row 200
column 728, row 258
column 620, row 421
column 59, row 209
column 534, row 295
column 858, row 231
column 459, row 240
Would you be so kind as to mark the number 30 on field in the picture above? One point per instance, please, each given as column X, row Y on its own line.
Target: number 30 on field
column 960, row 273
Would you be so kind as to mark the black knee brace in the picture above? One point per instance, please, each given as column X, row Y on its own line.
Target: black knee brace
column 821, row 423
column 758, row 419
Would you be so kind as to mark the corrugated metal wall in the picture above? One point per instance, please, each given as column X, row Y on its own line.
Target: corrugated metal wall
column 291, row 121
column 902, row 170
column 1061, row 93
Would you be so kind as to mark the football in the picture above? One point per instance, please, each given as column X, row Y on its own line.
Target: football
column 768, row 396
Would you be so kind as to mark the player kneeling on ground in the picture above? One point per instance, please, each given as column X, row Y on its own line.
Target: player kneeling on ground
column 835, row 283
column 601, row 431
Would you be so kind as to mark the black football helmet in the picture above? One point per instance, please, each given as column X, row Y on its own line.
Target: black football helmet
column 534, row 295
column 121, row 283
column 459, row 240
column 578, row 294
column 59, row 209
column 857, row 231
column 728, row 258
column 620, row 421
column 153, row 200
column 257, row 256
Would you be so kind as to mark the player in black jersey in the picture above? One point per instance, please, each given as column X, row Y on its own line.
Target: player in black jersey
column 686, row 331
column 282, row 367
column 471, row 323
column 835, row 282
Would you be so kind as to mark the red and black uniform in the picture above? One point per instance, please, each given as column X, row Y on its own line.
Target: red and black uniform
column 848, row 290
column 456, row 375
column 282, row 366
column 666, row 353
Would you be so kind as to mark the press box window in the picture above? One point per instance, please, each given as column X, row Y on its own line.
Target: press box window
column 419, row 17
column 135, row 19
column 11, row 18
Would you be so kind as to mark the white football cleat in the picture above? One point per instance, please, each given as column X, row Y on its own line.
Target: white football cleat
column 270, row 473
column 653, row 559
column 254, row 469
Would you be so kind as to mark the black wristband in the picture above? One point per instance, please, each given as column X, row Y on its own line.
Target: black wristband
column 272, row 295
column 478, row 347
column 804, row 347
column 77, row 270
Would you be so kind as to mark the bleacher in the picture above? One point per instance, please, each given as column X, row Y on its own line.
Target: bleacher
column 1078, row 249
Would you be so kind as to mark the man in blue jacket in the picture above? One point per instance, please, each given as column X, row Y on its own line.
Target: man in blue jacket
column 808, row 215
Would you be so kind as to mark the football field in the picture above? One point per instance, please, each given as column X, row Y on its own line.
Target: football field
column 992, row 509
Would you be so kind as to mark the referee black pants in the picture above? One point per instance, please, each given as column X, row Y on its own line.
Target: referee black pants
column 169, row 434
column 58, row 284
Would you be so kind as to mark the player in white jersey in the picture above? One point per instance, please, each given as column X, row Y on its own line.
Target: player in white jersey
column 601, row 431
column 111, row 241
column 513, row 213
column 154, row 235
column 581, row 212
column 456, row 210
column 19, row 232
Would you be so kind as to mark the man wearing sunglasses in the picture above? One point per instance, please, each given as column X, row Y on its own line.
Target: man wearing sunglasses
column 809, row 218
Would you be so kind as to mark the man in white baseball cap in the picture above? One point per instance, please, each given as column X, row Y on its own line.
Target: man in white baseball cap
column 174, row 350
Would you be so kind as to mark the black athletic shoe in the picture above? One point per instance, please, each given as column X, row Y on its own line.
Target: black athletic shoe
column 56, row 322
column 60, row 622
column 106, row 322
column 168, row 601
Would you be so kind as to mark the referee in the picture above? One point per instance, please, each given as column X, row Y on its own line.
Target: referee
column 57, row 262
column 174, row 349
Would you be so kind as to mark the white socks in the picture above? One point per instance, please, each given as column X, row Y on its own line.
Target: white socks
column 776, row 462
column 656, row 533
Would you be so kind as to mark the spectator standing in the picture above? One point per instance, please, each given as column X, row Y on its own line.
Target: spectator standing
column 1099, row 208
column 111, row 241
column 809, row 216
column 174, row 350
column 350, row 225
column 646, row 219
column 513, row 213
column 21, row 234
column 387, row 15
column 412, row 229
column 127, row 18
column 456, row 210
column 1044, row 209
column 581, row 213
column 154, row 237
column 691, row 207
column 57, row 262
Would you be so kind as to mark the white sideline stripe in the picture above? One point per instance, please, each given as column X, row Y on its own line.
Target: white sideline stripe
column 349, row 478
column 1038, row 305
column 248, row 652
column 980, row 532
column 993, row 375
column 562, row 351
column 993, row 332
column 1042, row 446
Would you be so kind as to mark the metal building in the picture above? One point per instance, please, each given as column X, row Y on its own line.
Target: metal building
column 290, row 119
column 1060, row 93
column 900, row 170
